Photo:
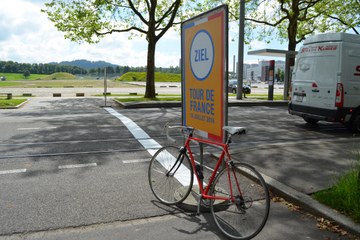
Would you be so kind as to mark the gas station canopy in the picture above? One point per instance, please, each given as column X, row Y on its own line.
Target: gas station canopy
column 279, row 53
column 272, row 52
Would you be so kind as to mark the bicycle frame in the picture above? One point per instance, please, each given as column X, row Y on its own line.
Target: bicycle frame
column 224, row 153
column 238, row 212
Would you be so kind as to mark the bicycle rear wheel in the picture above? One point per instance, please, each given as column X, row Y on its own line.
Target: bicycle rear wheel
column 170, row 175
column 245, row 216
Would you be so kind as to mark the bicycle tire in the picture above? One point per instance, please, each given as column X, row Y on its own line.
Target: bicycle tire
column 245, row 217
column 170, row 188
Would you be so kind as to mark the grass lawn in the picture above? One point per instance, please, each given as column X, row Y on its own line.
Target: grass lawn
column 344, row 196
column 259, row 96
column 20, row 76
column 10, row 84
column 7, row 103
column 159, row 77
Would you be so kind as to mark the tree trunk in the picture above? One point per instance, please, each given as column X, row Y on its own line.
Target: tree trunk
column 151, row 38
column 292, row 32
column 150, row 76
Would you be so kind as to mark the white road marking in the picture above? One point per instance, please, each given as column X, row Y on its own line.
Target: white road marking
column 165, row 158
column 13, row 171
column 77, row 165
column 136, row 131
column 136, row 160
column 26, row 129
column 34, row 128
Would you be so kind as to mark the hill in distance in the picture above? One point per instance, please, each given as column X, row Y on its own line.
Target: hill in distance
column 86, row 64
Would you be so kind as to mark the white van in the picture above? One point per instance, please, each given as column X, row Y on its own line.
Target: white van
column 326, row 80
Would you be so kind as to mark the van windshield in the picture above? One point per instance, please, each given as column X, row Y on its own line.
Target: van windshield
column 322, row 69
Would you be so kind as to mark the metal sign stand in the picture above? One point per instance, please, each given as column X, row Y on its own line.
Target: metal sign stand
column 105, row 86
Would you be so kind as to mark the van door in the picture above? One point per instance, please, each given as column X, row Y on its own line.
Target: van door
column 351, row 75
column 315, row 77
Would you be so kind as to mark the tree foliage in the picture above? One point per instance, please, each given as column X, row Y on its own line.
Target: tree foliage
column 38, row 68
column 341, row 15
column 50, row 68
column 26, row 74
column 293, row 20
column 90, row 20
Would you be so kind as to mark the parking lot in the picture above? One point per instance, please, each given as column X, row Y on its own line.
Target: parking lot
column 71, row 163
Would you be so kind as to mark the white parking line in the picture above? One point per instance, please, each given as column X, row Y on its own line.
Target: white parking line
column 77, row 165
column 13, row 171
column 165, row 158
column 137, row 160
column 34, row 128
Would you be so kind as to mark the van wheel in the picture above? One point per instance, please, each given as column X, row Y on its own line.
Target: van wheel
column 355, row 122
column 311, row 120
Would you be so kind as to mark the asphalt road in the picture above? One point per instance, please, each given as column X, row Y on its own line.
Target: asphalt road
column 68, row 164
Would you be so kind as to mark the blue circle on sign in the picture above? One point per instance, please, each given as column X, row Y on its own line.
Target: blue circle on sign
column 201, row 55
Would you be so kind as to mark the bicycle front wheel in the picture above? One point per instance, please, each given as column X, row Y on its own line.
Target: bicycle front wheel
column 170, row 175
column 245, row 213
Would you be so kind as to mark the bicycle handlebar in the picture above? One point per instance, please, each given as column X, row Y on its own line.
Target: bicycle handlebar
column 231, row 130
column 167, row 127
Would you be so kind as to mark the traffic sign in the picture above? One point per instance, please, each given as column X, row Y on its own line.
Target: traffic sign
column 204, row 54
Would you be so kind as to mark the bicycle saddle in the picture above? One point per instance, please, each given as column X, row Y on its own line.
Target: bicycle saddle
column 235, row 130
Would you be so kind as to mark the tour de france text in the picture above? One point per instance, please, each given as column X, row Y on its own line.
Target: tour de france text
column 202, row 104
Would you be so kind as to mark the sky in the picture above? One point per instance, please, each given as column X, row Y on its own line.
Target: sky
column 27, row 36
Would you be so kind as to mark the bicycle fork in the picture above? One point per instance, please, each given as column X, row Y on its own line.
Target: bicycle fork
column 177, row 163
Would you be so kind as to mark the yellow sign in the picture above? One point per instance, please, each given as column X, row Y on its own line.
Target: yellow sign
column 204, row 78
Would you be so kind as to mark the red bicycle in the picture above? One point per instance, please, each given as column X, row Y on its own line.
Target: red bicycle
column 236, row 193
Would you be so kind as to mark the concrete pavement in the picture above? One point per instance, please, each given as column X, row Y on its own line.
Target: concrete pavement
column 292, row 194
column 290, row 189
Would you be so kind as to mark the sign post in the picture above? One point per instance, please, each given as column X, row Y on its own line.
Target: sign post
column 204, row 57
column 105, row 85
column 271, row 80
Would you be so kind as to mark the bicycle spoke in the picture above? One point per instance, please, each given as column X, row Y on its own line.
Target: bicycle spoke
column 247, row 212
column 167, row 175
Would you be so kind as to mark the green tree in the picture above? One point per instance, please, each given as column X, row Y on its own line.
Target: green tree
column 293, row 20
column 89, row 20
column 26, row 74
column 280, row 74
column 346, row 16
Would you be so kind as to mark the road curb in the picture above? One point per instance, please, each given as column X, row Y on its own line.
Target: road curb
column 169, row 104
column 17, row 106
column 149, row 104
